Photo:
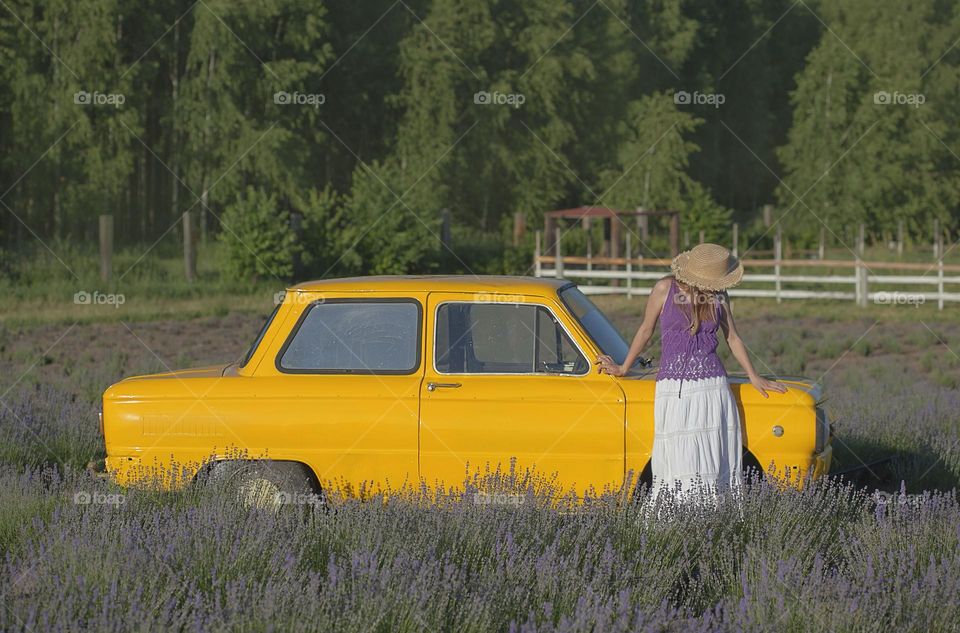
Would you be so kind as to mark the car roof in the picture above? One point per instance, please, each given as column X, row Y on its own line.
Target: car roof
column 540, row 286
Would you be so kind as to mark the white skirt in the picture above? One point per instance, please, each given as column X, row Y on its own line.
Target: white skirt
column 697, row 439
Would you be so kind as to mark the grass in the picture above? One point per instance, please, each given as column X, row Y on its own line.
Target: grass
column 43, row 288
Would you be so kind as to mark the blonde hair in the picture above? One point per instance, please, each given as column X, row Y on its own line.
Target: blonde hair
column 700, row 306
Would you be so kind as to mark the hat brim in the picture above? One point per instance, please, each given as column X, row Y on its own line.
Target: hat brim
column 679, row 268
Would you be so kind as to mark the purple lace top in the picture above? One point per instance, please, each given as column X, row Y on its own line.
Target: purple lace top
column 685, row 356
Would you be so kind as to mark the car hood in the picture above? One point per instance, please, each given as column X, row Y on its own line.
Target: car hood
column 641, row 387
column 811, row 387
column 210, row 371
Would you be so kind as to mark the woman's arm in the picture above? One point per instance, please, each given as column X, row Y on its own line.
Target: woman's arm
column 658, row 295
column 739, row 350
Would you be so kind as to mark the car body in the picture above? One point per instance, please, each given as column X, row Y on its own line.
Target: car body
column 374, row 383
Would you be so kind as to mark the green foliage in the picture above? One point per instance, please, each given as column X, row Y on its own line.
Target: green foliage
column 321, row 240
column 257, row 236
column 702, row 213
column 398, row 110
column 857, row 154
column 384, row 231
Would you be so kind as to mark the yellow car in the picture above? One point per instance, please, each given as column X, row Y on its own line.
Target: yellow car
column 374, row 383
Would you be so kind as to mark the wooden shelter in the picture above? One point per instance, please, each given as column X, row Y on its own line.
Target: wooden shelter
column 613, row 221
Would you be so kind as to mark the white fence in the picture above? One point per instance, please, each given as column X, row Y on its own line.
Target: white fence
column 917, row 283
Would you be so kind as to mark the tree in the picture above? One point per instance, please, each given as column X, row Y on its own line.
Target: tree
column 490, row 86
column 251, row 98
column 862, row 148
column 652, row 162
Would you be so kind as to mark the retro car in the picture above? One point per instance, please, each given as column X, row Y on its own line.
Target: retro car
column 374, row 383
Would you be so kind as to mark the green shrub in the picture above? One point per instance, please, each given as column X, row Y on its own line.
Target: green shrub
column 257, row 237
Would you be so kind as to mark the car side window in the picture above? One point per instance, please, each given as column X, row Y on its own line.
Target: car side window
column 502, row 338
column 355, row 337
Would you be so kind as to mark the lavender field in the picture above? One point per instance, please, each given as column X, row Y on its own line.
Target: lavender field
column 876, row 550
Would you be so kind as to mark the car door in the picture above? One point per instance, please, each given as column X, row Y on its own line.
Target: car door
column 508, row 380
column 341, row 391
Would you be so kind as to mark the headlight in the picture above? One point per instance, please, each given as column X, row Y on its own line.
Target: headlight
column 823, row 430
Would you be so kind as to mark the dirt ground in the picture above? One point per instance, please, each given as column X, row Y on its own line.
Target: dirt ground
column 88, row 357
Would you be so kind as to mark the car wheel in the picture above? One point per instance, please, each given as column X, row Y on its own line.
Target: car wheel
column 268, row 485
column 749, row 465
column 751, row 468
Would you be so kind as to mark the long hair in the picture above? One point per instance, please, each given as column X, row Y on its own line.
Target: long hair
column 700, row 306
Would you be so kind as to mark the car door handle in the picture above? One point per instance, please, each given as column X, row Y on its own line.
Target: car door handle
column 433, row 386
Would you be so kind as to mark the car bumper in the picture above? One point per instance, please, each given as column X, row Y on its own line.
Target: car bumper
column 122, row 469
column 821, row 462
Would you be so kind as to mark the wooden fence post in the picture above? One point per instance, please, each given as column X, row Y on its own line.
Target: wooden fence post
column 767, row 215
column 605, row 245
column 736, row 239
column 899, row 239
column 643, row 225
column 940, row 284
column 863, row 288
column 674, row 234
column 589, row 252
column 629, row 255
column 936, row 238
column 106, row 247
column 940, row 272
column 519, row 227
column 614, row 244
column 536, row 255
column 587, row 226
column 189, row 247
column 549, row 226
column 701, row 237
column 857, row 281
column 559, row 253
column 823, row 242
column 777, row 254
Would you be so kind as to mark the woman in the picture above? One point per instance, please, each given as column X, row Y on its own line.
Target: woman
column 697, row 437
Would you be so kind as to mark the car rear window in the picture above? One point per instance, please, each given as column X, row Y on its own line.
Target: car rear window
column 355, row 337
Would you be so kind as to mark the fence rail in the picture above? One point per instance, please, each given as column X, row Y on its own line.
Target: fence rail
column 621, row 273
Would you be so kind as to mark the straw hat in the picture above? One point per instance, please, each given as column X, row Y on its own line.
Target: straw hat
column 708, row 267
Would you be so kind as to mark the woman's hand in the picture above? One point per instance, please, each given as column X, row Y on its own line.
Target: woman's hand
column 763, row 385
column 609, row 366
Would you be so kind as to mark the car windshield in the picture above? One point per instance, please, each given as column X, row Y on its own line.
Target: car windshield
column 595, row 322
column 256, row 342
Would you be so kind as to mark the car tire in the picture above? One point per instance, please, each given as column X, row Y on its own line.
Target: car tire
column 749, row 466
column 267, row 485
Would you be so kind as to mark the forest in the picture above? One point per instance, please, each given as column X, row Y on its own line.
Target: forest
column 361, row 123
